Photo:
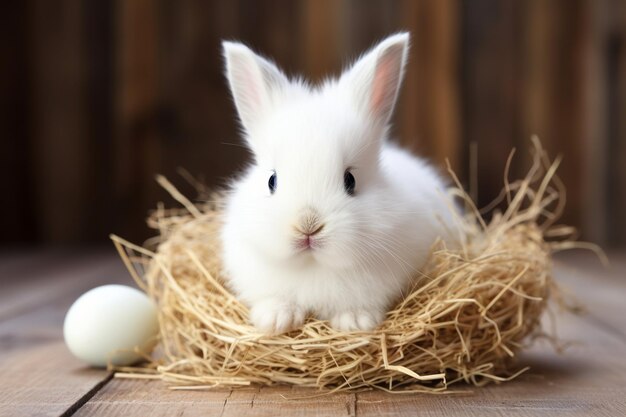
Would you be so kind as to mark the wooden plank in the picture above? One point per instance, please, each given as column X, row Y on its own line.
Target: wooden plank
column 558, row 64
column 42, row 378
column 205, row 127
column 18, row 262
column 138, row 397
column 138, row 151
column 57, row 278
column 102, row 207
column 39, row 375
column 601, row 290
column 491, row 88
column 59, row 151
column 616, row 163
column 132, row 397
column 429, row 107
column 592, row 61
column 291, row 402
column 321, row 35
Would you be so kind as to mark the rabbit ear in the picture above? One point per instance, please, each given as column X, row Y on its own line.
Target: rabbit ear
column 253, row 81
column 376, row 77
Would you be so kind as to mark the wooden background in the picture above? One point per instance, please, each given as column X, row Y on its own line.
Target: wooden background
column 99, row 95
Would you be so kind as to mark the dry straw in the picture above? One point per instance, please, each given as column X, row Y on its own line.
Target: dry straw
column 470, row 313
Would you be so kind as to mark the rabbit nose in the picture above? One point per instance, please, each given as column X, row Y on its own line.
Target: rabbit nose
column 310, row 222
column 316, row 231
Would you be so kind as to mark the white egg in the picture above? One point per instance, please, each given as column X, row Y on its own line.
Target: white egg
column 106, row 323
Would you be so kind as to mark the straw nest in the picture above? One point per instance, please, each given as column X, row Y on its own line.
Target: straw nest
column 470, row 314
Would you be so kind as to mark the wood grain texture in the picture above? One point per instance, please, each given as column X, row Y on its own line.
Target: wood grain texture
column 588, row 379
column 321, row 32
column 491, row 76
column 38, row 375
column 600, row 290
column 138, row 153
column 58, row 124
column 55, row 277
column 616, row 165
column 131, row 397
column 429, row 108
column 100, row 96
column 41, row 378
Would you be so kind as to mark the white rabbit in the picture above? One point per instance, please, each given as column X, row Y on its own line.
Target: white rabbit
column 329, row 219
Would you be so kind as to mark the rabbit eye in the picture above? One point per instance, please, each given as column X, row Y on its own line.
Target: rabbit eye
column 349, row 182
column 271, row 183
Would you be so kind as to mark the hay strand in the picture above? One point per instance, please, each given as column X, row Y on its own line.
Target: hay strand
column 473, row 310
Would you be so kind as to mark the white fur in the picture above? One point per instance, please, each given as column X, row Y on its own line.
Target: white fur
column 373, row 242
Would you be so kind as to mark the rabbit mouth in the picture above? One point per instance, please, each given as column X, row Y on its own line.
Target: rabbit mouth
column 308, row 243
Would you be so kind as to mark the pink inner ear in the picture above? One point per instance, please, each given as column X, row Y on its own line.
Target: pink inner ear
column 385, row 84
column 379, row 87
column 252, row 93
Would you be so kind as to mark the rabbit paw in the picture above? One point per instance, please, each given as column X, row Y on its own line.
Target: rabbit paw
column 356, row 320
column 275, row 317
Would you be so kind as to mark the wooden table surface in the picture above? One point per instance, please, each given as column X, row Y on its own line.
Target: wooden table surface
column 38, row 376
